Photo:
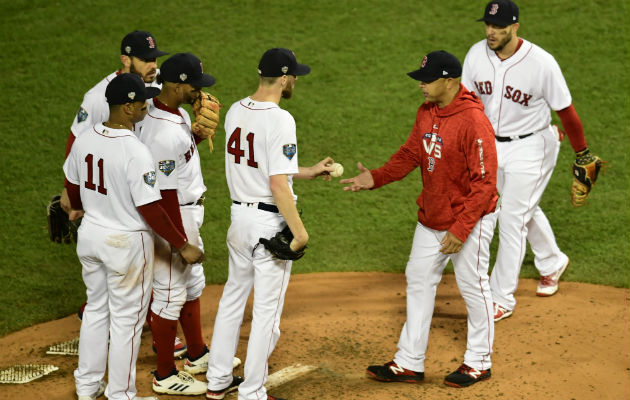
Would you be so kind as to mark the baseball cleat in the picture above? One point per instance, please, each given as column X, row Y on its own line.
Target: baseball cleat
column 200, row 365
column 501, row 312
column 392, row 372
column 179, row 350
column 466, row 376
column 99, row 392
column 178, row 382
column 274, row 398
column 548, row 285
column 219, row 394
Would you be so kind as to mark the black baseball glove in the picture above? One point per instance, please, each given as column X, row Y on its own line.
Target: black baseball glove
column 280, row 245
column 60, row 228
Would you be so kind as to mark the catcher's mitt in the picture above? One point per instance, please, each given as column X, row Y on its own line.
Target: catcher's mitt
column 206, row 109
column 60, row 229
column 586, row 168
column 280, row 245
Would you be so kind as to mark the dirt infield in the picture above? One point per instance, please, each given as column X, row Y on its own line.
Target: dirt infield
column 574, row 345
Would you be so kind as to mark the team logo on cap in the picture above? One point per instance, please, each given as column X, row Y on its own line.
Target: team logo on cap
column 131, row 95
column 289, row 150
column 166, row 166
column 127, row 49
column 494, row 9
column 149, row 178
column 183, row 77
column 424, row 62
column 151, row 42
column 285, row 69
column 82, row 115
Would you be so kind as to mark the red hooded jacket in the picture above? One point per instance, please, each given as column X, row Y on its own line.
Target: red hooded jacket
column 454, row 147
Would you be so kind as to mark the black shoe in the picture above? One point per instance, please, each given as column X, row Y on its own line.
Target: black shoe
column 219, row 394
column 392, row 372
column 466, row 376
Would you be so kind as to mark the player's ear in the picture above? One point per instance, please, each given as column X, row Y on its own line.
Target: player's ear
column 125, row 60
column 515, row 27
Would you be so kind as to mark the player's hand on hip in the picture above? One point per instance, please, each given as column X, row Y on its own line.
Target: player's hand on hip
column 363, row 181
column 192, row 254
column 450, row 244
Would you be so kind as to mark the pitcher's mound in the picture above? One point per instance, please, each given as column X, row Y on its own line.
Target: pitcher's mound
column 573, row 345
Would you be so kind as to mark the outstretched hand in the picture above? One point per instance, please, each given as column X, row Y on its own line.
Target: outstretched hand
column 363, row 181
column 322, row 168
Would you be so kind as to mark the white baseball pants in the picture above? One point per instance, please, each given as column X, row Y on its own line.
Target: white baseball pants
column 424, row 272
column 250, row 265
column 525, row 168
column 174, row 281
column 117, row 271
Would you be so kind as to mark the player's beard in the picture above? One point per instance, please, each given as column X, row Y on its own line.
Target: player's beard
column 501, row 45
column 145, row 78
column 287, row 92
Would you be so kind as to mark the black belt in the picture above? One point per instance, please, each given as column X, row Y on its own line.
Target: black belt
column 510, row 138
column 261, row 206
column 199, row 202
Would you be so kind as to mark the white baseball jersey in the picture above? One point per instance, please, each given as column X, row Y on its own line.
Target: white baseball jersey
column 260, row 142
column 170, row 139
column 94, row 108
column 516, row 92
column 116, row 174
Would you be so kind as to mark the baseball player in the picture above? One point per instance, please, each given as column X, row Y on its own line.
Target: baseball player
column 111, row 176
column 177, row 286
column 452, row 142
column 518, row 82
column 139, row 55
column 261, row 162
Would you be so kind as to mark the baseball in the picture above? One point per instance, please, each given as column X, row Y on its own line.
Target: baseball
column 338, row 170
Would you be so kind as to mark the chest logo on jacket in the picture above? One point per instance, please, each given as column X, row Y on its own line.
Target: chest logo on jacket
column 432, row 144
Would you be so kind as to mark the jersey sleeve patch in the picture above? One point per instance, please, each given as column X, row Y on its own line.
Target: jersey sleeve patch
column 166, row 166
column 82, row 115
column 289, row 150
column 149, row 178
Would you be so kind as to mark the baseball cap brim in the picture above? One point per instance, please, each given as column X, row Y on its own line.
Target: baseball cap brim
column 152, row 92
column 205, row 81
column 301, row 69
column 155, row 53
column 422, row 76
column 494, row 21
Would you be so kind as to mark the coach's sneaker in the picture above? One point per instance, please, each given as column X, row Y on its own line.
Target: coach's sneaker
column 99, row 392
column 219, row 394
column 466, row 376
column 548, row 285
column 178, row 382
column 392, row 372
column 179, row 350
column 501, row 312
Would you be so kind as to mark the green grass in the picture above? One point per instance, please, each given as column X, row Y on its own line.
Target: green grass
column 356, row 105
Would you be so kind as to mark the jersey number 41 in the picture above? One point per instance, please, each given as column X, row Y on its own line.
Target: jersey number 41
column 234, row 147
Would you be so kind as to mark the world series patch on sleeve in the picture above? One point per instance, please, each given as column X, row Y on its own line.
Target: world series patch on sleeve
column 60, row 228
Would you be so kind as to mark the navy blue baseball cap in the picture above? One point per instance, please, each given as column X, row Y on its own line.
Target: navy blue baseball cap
column 140, row 44
column 436, row 65
column 185, row 68
column 127, row 88
column 278, row 61
column 500, row 13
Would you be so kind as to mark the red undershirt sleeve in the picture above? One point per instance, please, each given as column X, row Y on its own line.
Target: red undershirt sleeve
column 69, row 143
column 162, row 224
column 573, row 128
column 74, row 195
column 170, row 203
